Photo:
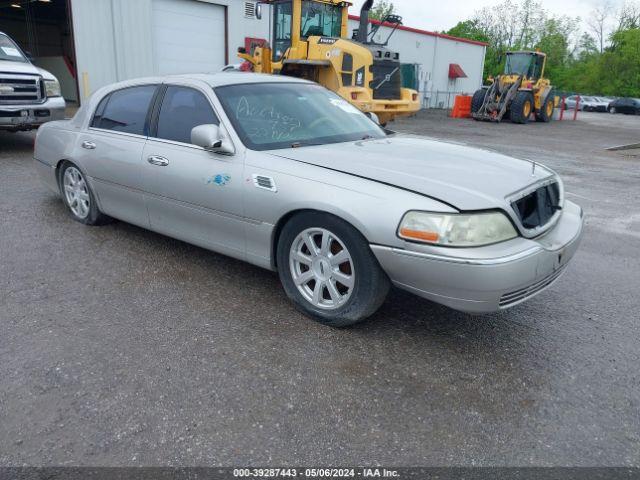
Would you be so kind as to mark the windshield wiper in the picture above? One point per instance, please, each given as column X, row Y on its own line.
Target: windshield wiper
column 306, row 144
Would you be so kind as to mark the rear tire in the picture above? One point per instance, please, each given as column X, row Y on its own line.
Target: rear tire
column 546, row 109
column 478, row 100
column 328, row 270
column 77, row 196
column 522, row 107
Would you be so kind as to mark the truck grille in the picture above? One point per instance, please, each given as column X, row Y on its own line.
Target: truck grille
column 537, row 208
column 20, row 89
column 387, row 80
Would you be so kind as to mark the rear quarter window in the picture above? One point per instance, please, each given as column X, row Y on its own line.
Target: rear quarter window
column 125, row 110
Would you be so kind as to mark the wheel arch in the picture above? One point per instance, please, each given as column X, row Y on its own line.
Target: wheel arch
column 284, row 219
column 89, row 179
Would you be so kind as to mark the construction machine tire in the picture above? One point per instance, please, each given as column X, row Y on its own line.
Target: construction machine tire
column 521, row 107
column 545, row 114
column 478, row 100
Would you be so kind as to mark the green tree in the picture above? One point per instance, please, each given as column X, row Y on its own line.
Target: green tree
column 382, row 9
column 621, row 64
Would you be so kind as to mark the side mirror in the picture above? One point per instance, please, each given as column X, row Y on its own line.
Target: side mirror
column 211, row 138
column 259, row 11
column 373, row 117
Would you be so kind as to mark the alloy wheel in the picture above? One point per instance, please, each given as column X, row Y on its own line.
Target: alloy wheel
column 76, row 192
column 322, row 268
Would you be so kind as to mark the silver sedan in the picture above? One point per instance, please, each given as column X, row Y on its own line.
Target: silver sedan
column 286, row 175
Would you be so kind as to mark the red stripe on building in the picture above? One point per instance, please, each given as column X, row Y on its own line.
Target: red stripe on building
column 423, row 32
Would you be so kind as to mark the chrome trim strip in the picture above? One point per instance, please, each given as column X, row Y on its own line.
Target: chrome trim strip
column 465, row 261
column 114, row 132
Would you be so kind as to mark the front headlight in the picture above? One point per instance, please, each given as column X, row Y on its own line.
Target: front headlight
column 52, row 87
column 456, row 230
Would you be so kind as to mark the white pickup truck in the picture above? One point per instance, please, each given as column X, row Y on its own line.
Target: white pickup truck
column 29, row 96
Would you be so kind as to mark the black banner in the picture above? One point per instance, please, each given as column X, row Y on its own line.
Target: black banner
column 167, row 473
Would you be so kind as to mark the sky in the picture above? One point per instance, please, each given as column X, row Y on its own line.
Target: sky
column 442, row 15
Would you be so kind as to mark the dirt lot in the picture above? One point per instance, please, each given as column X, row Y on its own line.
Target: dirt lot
column 122, row 347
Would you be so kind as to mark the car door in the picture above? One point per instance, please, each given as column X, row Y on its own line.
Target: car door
column 192, row 194
column 110, row 151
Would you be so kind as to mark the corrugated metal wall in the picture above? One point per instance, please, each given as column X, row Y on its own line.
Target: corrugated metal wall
column 114, row 38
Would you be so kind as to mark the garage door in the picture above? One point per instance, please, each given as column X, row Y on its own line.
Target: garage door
column 189, row 36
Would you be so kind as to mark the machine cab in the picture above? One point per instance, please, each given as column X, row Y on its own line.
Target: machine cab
column 529, row 64
column 294, row 21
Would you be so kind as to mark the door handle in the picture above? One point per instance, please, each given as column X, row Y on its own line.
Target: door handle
column 157, row 160
column 89, row 145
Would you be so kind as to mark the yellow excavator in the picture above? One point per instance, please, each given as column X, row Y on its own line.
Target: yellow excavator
column 309, row 40
column 520, row 91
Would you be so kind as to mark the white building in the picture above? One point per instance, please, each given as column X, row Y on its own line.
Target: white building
column 90, row 43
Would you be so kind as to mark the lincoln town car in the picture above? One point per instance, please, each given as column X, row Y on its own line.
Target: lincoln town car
column 286, row 175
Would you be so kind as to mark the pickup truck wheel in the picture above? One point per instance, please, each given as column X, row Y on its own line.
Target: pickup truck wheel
column 78, row 197
column 328, row 270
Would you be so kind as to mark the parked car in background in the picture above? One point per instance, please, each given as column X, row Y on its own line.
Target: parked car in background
column 29, row 96
column 287, row 175
column 587, row 103
column 595, row 104
column 629, row 106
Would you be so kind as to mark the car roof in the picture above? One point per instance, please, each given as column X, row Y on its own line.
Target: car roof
column 213, row 79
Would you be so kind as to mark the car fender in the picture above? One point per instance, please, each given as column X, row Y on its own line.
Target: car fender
column 372, row 208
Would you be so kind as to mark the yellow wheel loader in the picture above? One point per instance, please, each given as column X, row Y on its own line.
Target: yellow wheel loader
column 520, row 91
column 309, row 40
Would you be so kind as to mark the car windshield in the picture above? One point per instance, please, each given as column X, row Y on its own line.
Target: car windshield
column 270, row 116
column 9, row 51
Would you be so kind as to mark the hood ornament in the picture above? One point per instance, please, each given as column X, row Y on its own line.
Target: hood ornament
column 533, row 169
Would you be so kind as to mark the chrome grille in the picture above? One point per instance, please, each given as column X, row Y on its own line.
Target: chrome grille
column 517, row 296
column 20, row 89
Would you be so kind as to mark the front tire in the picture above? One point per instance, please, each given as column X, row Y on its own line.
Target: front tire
column 546, row 111
column 477, row 100
column 521, row 107
column 612, row 110
column 328, row 270
column 78, row 197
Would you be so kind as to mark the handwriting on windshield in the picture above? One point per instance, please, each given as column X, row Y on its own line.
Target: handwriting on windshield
column 266, row 122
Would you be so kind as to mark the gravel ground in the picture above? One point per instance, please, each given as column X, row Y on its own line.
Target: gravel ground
column 123, row 347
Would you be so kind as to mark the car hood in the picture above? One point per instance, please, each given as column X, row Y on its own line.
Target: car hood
column 26, row 68
column 466, row 178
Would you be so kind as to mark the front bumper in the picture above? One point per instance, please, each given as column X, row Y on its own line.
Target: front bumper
column 480, row 280
column 30, row 116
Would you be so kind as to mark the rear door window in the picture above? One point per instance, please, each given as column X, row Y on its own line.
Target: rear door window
column 182, row 110
column 125, row 110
